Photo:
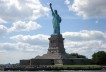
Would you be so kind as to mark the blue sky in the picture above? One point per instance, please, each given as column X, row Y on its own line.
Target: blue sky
column 26, row 25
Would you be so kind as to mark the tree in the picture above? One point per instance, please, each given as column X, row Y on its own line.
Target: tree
column 77, row 55
column 99, row 58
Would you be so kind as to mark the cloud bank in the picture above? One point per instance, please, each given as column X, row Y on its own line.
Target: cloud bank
column 21, row 15
column 24, row 26
column 21, row 10
column 88, row 8
column 39, row 39
column 3, row 30
column 83, row 42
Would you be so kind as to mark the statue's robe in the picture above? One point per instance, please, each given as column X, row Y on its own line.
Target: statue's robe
column 56, row 23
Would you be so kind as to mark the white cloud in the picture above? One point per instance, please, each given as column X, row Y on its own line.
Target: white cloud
column 67, row 2
column 88, row 8
column 25, row 47
column 24, row 26
column 104, row 46
column 2, row 21
column 3, row 30
column 39, row 39
column 90, row 43
column 14, row 10
column 85, row 35
column 80, row 42
column 13, row 52
column 16, row 56
column 19, row 46
column 85, row 42
column 27, row 43
column 2, row 51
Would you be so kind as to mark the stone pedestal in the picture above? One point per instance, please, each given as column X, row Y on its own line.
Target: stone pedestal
column 56, row 50
column 56, row 45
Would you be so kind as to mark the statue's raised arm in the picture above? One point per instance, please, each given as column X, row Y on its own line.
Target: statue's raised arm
column 51, row 8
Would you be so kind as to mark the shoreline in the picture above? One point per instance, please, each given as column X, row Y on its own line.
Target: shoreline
column 50, row 68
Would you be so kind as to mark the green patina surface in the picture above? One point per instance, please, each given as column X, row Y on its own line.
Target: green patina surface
column 56, row 21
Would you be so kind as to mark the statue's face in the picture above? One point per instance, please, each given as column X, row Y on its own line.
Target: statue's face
column 55, row 11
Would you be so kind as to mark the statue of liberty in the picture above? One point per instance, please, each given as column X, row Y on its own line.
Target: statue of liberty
column 56, row 21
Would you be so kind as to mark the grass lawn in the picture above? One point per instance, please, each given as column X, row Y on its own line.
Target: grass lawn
column 79, row 66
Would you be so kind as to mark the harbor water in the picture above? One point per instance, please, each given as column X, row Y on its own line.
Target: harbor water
column 62, row 71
